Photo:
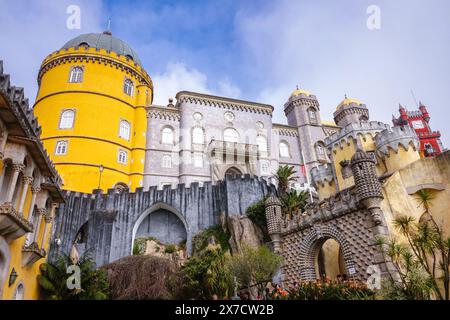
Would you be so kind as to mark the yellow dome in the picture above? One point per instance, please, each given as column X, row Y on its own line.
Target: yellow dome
column 348, row 101
column 298, row 92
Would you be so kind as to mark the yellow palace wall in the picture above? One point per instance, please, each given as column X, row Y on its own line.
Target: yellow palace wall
column 27, row 276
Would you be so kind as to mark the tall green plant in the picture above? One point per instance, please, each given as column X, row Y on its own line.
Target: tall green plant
column 293, row 201
column 417, row 262
column 53, row 280
column 285, row 175
column 254, row 267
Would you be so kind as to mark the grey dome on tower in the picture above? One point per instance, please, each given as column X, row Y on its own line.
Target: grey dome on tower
column 105, row 41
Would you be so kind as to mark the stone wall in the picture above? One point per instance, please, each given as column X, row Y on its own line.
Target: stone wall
column 340, row 218
column 113, row 219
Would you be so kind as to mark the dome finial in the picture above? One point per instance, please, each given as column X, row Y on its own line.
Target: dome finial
column 345, row 96
column 296, row 86
column 108, row 28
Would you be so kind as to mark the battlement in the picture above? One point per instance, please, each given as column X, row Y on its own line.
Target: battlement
column 321, row 174
column 394, row 137
column 353, row 129
column 333, row 207
column 83, row 54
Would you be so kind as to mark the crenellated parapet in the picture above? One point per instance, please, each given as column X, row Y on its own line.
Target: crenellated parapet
column 394, row 138
column 322, row 174
column 352, row 131
column 342, row 203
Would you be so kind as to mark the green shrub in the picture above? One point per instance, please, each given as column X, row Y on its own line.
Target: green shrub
column 257, row 213
column 201, row 240
column 327, row 290
column 170, row 248
column 53, row 280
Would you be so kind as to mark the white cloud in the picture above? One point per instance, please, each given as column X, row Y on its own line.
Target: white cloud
column 328, row 50
column 33, row 29
column 178, row 77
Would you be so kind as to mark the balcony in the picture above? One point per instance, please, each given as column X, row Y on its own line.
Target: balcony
column 12, row 224
column 32, row 253
column 218, row 147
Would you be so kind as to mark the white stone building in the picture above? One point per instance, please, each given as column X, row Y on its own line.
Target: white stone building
column 204, row 137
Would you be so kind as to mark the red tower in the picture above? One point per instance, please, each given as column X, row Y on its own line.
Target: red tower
column 430, row 142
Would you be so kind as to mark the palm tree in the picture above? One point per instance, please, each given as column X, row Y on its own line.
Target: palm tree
column 53, row 280
column 293, row 202
column 284, row 175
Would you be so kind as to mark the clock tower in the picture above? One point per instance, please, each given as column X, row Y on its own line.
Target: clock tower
column 430, row 142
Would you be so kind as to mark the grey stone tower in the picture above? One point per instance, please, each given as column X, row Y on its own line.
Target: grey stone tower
column 368, row 186
column 273, row 217
column 302, row 111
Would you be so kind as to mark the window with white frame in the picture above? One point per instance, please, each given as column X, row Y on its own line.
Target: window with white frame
column 261, row 141
column 167, row 135
column 76, row 75
column 61, row 148
column 264, row 168
column 124, row 129
column 198, row 160
column 284, row 150
column 122, row 157
column 230, row 135
column 320, row 150
column 198, row 136
column 166, row 161
column 312, row 115
column 128, row 87
column 66, row 120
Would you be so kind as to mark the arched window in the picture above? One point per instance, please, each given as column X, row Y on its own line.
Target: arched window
column 122, row 157
column 167, row 135
column 312, row 114
column 124, row 130
column 166, row 161
column 230, row 135
column 76, row 75
column 284, row 150
column 261, row 141
column 198, row 135
column 128, row 87
column 61, row 148
column 120, row 187
column 19, row 293
column 320, row 150
column 66, row 120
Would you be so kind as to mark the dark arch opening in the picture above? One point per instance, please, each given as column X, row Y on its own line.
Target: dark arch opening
column 233, row 171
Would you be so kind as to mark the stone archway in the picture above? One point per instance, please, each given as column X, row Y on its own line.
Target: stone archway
column 312, row 244
column 164, row 223
column 233, row 171
column 4, row 263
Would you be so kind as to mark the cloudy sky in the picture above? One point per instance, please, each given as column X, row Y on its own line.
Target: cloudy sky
column 258, row 49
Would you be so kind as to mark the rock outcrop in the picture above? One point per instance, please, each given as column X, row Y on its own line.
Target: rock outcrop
column 243, row 232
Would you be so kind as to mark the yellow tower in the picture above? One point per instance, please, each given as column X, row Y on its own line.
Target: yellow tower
column 91, row 105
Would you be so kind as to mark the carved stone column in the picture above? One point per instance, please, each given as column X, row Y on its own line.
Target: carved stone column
column 48, row 220
column 17, row 168
column 40, row 212
column 34, row 191
column 26, row 183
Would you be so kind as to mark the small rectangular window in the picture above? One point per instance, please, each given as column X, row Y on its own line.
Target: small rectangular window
column 122, row 157
column 61, row 148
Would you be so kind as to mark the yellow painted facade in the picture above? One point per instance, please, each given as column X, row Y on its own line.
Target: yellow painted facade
column 100, row 104
column 29, row 194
